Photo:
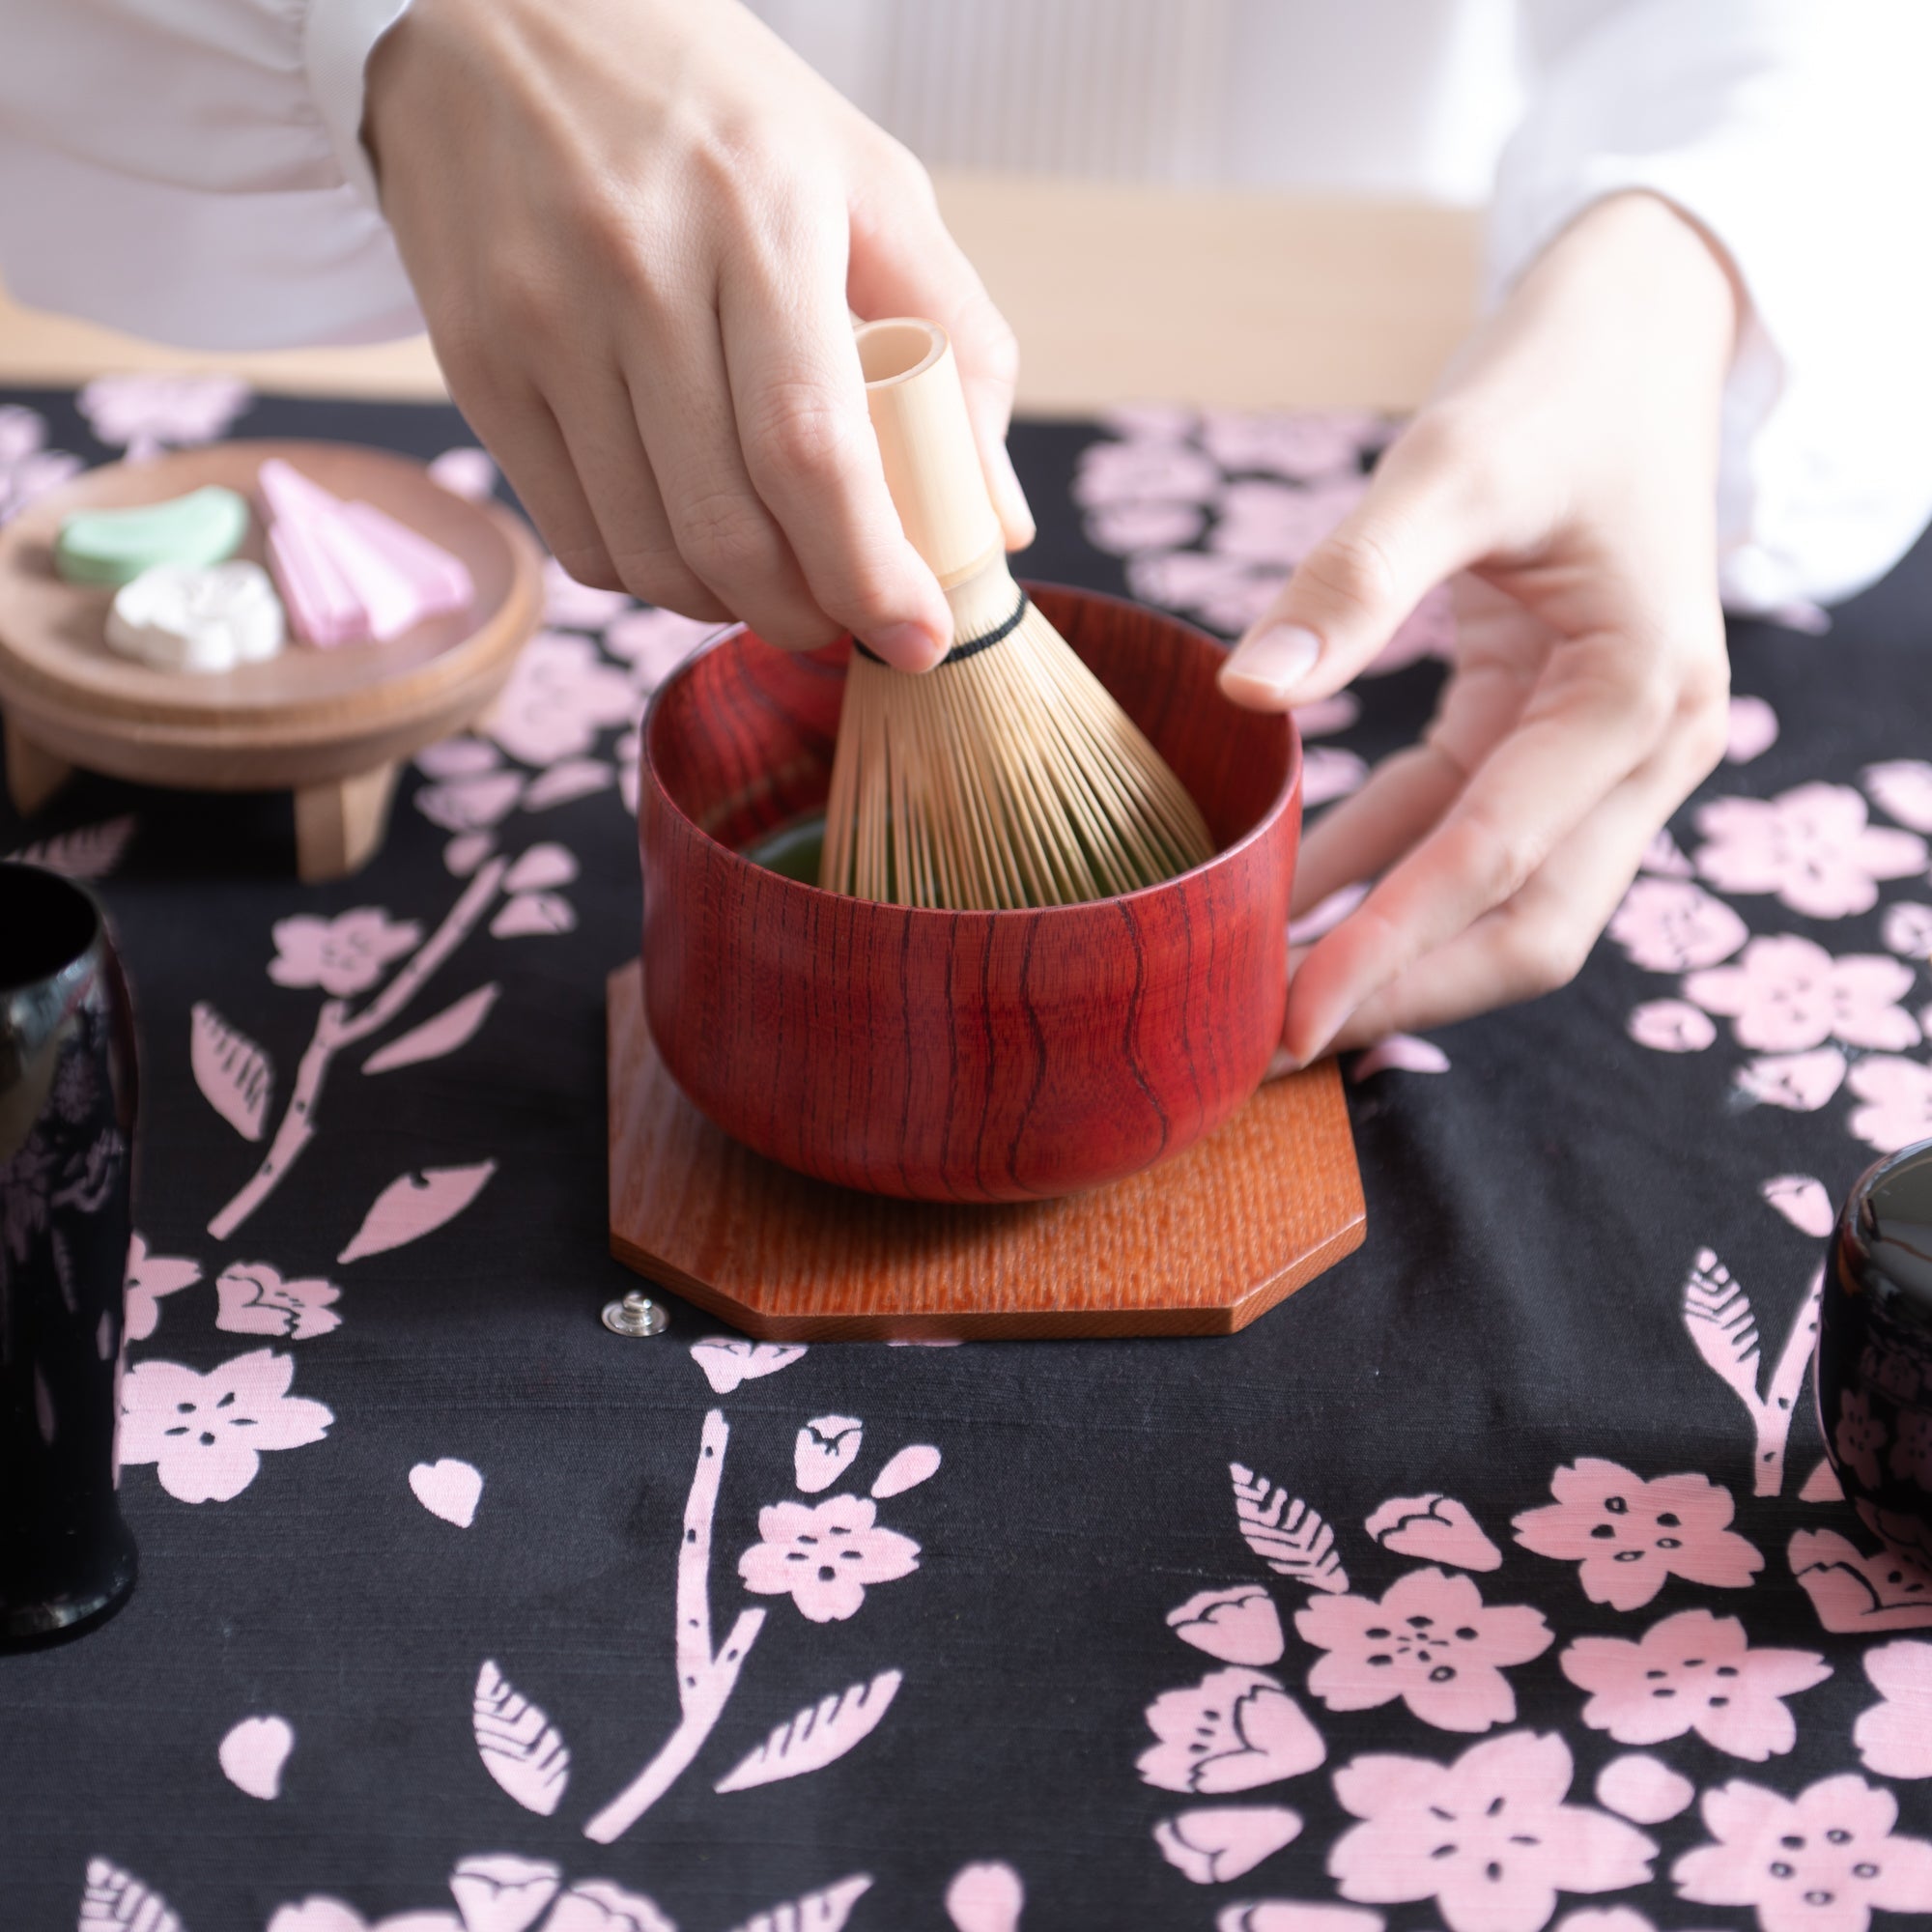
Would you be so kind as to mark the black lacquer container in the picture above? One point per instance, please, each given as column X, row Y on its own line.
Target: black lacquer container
column 1875, row 1350
column 67, row 1127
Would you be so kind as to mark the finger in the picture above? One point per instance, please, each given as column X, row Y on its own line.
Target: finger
column 1539, row 940
column 1597, row 716
column 1422, row 520
column 799, row 400
column 905, row 263
column 1368, row 832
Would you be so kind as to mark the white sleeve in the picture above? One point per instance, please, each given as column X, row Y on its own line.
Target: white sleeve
column 190, row 170
column 1795, row 132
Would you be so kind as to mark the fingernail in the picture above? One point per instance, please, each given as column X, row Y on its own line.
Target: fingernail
column 1013, row 502
column 1266, row 669
column 907, row 646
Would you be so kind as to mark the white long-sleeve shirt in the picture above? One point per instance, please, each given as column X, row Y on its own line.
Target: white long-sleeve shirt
column 190, row 170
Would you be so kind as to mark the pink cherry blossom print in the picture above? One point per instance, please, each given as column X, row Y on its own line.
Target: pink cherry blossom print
column 1897, row 1097
column 1910, row 1455
column 1307, row 444
column 596, row 1905
column 28, row 469
column 253, row 1753
column 579, row 607
column 531, row 914
column 655, row 643
column 449, row 1488
column 816, row 1736
column 1784, row 994
column 823, row 1556
column 1294, row 1915
column 1907, row 928
column 1858, row 1437
column 1432, row 1642
column 1692, row 1672
column 1802, row 1200
column 466, row 472
column 1233, row 1731
column 1822, row 1862
column 726, row 1360
column 1239, row 1626
column 916, row 1463
column 150, row 1277
column 1144, row 471
column 150, row 410
column 826, row 1447
column 560, row 694
column 114, row 1897
column 206, row 1434
column 1753, row 731
column 1131, row 530
column 1664, row 857
column 414, row 1206
column 1902, row 789
column 1169, row 422
column 1666, row 925
column 1853, row 1591
column 498, row 1891
column 1800, row 1082
column 1218, row 1843
column 545, row 866
column 1488, row 1837
column 1895, row 1737
column 1811, row 847
column 444, row 1033
column 1643, row 1789
column 985, row 1897
column 1277, row 525
column 255, row 1300
column 1434, row 1528
column 1822, row 1485
column 1605, row 1918
column 1626, row 1535
column 457, row 758
column 519, row 1745
column 566, row 780
column 22, row 432
column 1225, row 592
column 468, row 806
column 1671, row 1026
column 343, row 955
column 1290, row 1536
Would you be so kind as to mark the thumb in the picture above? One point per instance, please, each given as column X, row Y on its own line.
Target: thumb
column 1353, row 589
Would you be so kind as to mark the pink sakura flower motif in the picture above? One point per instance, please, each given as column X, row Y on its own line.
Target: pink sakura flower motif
column 1903, row 789
column 1239, row 1626
column 498, row 1889
column 1142, row 470
column 1643, row 1789
column 1692, row 1672
column 23, row 433
column 255, row 1300
column 1127, row 529
column 1898, row 1096
column 1664, row 857
column 1217, row 1843
column 206, row 1434
column 1802, row 1200
column 1853, row 1590
column 579, row 607
column 1907, row 928
column 655, row 643
column 147, row 411
column 1669, row 924
column 1626, row 1535
column 1236, row 1729
column 343, row 955
column 1894, row 1736
column 28, row 469
column 1307, row 444
column 1753, row 731
column 151, row 1276
column 1488, row 1837
column 1811, row 847
column 1168, row 422
column 320, row 1914
column 1858, row 1437
column 1670, row 1026
column 1432, row 1642
column 823, row 1555
column 1822, row 1862
column 1784, row 995
column 1801, row 1082
column 1278, row 523
column 596, row 1905
column 560, row 695
column 1910, row 1458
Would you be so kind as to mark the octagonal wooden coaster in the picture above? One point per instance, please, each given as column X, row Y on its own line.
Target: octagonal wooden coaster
column 1200, row 1245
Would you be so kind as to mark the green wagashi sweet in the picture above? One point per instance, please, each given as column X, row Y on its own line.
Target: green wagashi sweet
column 114, row 547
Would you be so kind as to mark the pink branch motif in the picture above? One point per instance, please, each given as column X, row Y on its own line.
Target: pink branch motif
column 705, row 1678
column 1722, row 1327
column 336, row 1028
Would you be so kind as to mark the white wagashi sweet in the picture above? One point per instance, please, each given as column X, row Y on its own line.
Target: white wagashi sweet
column 199, row 620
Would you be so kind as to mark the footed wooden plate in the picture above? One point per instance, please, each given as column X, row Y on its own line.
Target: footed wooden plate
column 331, row 726
column 1199, row 1245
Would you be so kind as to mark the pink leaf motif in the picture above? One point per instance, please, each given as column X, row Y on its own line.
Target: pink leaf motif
column 816, row 1736
column 1717, row 1313
column 825, row 1910
column 253, row 1753
column 455, row 1026
column 520, row 1746
column 909, row 1468
column 540, row 867
column 1851, row 1591
column 466, row 852
column 1664, row 857
column 1220, row 1842
column 411, row 1208
column 824, row 1449
column 118, row 1898
column 1802, row 1201
column 533, row 912
column 1402, row 1051
column 1434, row 1528
column 985, row 1899
column 1292, row 1539
column 88, row 852
column 233, row 1072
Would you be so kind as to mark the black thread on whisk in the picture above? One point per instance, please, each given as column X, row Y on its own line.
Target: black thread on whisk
column 966, row 650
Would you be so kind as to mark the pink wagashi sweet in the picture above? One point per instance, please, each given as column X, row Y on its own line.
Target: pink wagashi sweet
column 1822, row 1862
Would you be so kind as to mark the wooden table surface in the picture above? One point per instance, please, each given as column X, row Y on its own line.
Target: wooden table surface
column 1116, row 292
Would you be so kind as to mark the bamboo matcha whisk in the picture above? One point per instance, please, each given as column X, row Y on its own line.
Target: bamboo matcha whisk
column 1008, row 776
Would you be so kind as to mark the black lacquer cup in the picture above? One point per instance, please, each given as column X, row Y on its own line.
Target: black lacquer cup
column 67, row 1129
column 1875, row 1350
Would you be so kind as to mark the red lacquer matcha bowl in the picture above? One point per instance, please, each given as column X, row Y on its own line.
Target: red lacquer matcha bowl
column 970, row 1056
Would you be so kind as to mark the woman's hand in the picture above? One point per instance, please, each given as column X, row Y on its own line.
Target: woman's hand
column 636, row 229
column 1568, row 464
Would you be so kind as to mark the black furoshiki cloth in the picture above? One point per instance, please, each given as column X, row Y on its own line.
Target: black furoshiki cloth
column 1491, row 1580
